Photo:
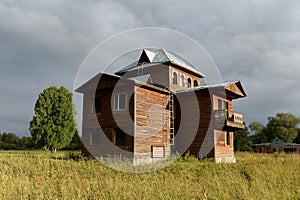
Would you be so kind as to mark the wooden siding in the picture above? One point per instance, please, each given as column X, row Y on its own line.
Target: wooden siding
column 159, row 74
column 201, row 145
column 108, row 120
column 150, row 130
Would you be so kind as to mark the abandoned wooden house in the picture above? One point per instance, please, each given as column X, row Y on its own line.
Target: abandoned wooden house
column 157, row 106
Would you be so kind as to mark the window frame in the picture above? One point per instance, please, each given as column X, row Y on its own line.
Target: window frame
column 117, row 104
column 189, row 82
column 196, row 84
column 93, row 133
column 182, row 80
column 227, row 138
column 174, row 78
column 93, row 105
column 124, row 137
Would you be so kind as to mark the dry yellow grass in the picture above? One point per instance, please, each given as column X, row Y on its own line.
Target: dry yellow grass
column 35, row 175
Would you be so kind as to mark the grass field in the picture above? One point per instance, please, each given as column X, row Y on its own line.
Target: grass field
column 38, row 175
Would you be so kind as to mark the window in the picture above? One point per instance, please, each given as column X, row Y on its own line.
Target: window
column 219, row 104
column 227, row 138
column 120, row 138
column 120, row 101
column 175, row 78
column 195, row 83
column 94, row 136
column 96, row 105
column 222, row 105
column 189, row 82
column 182, row 80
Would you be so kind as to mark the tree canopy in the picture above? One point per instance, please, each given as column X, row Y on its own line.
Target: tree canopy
column 242, row 141
column 53, row 125
column 283, row 126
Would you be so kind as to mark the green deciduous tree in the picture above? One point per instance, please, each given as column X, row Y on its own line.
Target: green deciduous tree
column 242, row 142
column 283, row 126
column 297, row 139
column 259, row 132
column 9, row 141
column 53, row 125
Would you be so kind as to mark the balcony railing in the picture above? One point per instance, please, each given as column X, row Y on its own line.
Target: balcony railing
column 229, row 118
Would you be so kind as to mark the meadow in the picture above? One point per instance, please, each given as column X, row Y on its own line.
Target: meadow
column 40, row 175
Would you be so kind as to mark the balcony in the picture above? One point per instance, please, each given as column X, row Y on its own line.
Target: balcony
column 228, row 120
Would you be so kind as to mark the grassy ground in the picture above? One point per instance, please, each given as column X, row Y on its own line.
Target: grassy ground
column 39, row 175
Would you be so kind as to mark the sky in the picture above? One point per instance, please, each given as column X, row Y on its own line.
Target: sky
column 44, row 42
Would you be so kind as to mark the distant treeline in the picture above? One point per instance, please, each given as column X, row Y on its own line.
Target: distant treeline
column 284, row 126
column 10, row 141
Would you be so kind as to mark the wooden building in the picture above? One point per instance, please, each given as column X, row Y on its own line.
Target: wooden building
column 277, row 146
column 157, row 106
column 272, row 149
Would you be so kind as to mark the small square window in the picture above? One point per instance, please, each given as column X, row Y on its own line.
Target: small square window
column 120, row 101
column 94, row 136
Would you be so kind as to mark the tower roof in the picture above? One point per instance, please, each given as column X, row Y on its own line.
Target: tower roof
column 152, row 56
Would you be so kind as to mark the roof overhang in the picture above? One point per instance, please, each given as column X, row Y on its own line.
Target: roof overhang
column 101, row 80
column 233, row 90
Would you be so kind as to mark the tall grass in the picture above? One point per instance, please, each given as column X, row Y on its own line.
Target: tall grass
column 254, row 176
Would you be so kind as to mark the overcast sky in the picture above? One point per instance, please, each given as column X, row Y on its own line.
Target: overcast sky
column 43, row 43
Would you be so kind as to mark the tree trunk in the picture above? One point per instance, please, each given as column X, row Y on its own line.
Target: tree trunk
column 53, row 150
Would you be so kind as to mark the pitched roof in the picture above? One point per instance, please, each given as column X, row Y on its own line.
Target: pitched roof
column 152, row 56
column 233, row 86
column 143, row 79
column 93, row 83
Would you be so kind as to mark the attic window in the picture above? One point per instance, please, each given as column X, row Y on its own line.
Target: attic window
column 195, row 83
column 175, row 78
column 189, row 82
column 182, row 80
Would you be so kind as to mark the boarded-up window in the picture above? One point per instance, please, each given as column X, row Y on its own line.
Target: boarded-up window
column 158, row 151
column 120, row 101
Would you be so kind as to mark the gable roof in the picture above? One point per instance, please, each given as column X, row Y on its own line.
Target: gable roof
column 100, row 79
column 143, row 79
column 234, row 87
column 152, row 56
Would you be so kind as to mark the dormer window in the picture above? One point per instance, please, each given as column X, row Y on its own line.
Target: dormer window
column 175, row 78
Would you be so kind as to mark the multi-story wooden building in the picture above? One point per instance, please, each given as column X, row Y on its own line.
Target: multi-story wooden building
column 157, row 106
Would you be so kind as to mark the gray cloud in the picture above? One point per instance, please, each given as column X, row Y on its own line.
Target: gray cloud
column 43, row 43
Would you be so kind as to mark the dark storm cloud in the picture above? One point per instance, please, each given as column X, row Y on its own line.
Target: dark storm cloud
column 43, row 43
